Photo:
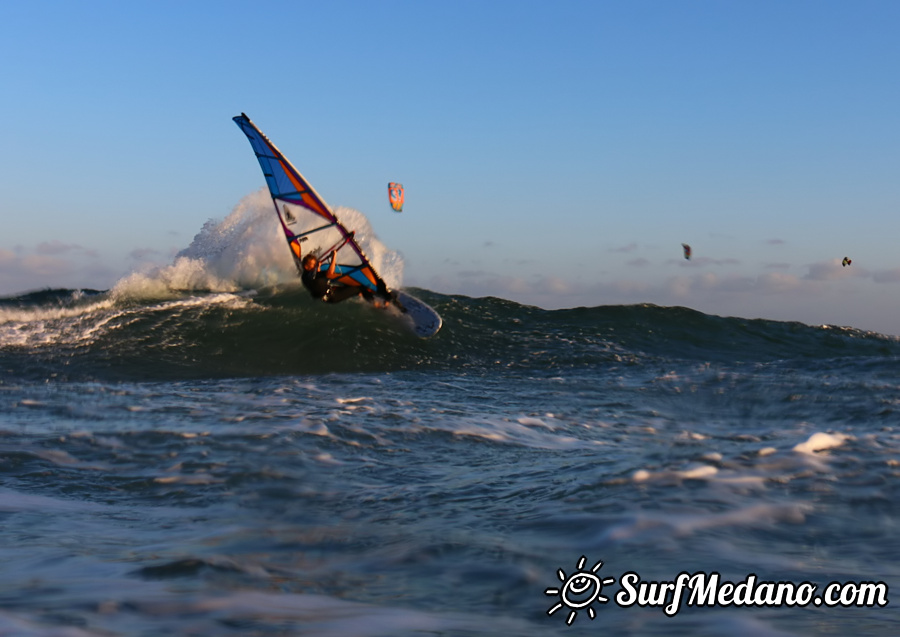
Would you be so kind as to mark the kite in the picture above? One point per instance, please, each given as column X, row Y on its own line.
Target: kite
column 687, row 250
column 395, row 194
column 847, row 261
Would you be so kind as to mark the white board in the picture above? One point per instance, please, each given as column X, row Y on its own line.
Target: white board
column 420, row 316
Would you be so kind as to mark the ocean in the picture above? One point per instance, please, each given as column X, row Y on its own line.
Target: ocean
column 236, row 463
column 202, row 449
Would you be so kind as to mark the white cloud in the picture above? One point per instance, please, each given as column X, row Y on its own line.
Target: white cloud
column 826, row 271
column 832, row 270
column 51, row 265
column 701, row 261
column 57, row 247
column 886, row 276
column 775, row 295
column 778, row 283
column 144, row 254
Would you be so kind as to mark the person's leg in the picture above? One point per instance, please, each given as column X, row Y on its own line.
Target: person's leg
column 338, row 294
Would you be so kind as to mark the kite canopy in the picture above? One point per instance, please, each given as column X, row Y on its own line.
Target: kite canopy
column 395, row 194
column 687, row 250
column 846, row 262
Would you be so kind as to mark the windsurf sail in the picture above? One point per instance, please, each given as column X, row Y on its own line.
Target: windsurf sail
column 395, row 194
column 305, row 217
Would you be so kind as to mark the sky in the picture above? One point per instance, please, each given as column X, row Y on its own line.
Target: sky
column 553, row 153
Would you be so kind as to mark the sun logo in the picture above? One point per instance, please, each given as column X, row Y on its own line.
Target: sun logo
column 580, row 590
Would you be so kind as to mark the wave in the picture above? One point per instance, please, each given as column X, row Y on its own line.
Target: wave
column 247, row 251
column 276, row 330
column 230, row 305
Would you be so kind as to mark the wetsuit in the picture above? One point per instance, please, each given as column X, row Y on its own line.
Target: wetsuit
column 320, row 287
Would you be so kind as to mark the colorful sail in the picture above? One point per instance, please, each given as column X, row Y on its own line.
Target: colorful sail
column 395, row 194
column 687, row 250
column 305, row 217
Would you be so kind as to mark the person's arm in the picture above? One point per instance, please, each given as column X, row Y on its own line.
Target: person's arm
column 330, row 272
column 299, row 244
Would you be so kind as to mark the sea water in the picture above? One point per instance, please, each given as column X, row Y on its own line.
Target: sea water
column 244, row 461
column 230, row 464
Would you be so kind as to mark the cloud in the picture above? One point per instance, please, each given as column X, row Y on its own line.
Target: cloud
column 702, row 290
column 144, row 254
column 832, row 270
column 520, row 262
column 717, row 262
column 778, row 283
column 556, row 291
column 478, row 283
column 638, row 263
column 776, row 242
column 887, row 276
column 631, row 247
column 49, row 265
column 42, row 264
column 813, row 298
column 701, row 261
column 768, row 283
column 56, row 247
column 471, row 274
column 709, row 283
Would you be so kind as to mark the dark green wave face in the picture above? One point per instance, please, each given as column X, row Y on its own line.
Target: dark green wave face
column 89, row 334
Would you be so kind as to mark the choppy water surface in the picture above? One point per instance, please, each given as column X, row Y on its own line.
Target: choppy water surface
column 252, row 465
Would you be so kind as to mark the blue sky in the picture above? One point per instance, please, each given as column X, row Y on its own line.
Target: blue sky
column 553, row 153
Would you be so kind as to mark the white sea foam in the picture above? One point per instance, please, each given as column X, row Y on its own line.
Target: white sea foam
column 190, row 479
column 247, row 250
column 820, row 442
column 698, row 472
column 517, row 433
column 47, row 325
column 534, row 422
column 669, row 524
column 25, row 626
column 332, row 616
column 40, row 326
column 82, row 324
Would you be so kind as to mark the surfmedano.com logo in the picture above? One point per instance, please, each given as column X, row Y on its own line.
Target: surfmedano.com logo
column 580, row 589
column 701, row 589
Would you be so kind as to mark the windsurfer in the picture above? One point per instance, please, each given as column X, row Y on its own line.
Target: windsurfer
column 348, row 272
column 319, row 283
